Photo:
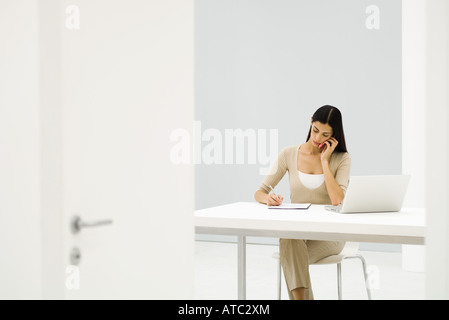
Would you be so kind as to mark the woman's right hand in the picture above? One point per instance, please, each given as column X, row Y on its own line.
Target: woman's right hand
column 274, row 200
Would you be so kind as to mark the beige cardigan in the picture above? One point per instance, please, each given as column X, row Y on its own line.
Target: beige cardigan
column 340, row 165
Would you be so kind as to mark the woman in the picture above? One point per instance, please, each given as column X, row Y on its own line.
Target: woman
column 319, row 174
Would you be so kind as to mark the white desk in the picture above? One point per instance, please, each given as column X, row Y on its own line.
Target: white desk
column 253, row 219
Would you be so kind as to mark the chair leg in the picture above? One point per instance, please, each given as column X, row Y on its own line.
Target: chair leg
column 339, row 281
column 365, row 273
column 279, row 279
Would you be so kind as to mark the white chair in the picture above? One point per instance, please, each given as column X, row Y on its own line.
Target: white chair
column 349, row 252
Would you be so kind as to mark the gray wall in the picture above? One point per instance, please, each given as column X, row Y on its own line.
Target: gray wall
column 269, row 64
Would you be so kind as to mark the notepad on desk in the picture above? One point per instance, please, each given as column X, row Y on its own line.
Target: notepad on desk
column 292, row 206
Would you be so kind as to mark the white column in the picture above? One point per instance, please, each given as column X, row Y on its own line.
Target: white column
column 437, row 142
column 413, row 116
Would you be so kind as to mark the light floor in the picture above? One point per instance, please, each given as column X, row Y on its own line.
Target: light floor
column 216, row 275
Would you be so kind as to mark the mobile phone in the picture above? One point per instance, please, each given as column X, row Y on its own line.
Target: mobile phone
column 324, row 143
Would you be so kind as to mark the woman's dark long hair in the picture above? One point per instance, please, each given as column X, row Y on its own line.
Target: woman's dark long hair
column 332, row 116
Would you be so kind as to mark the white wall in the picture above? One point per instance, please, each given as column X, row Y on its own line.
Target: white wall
column 20, row 233
column 437, row 141
column 50, row 84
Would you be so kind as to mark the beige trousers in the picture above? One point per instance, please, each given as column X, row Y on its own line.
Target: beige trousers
column 297, row 255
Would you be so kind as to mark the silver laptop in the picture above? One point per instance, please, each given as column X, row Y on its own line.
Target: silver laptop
column 373, row 194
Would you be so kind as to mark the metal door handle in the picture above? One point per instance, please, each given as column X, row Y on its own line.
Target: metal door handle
column 77, row 224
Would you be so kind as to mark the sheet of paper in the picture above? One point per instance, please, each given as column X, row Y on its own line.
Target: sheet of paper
column 292, row 206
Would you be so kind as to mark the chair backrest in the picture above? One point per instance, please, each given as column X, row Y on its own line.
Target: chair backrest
column 350, row 249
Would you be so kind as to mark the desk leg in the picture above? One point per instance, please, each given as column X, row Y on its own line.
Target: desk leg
column 241, row 258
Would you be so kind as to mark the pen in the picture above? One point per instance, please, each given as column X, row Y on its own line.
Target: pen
column 272, row 190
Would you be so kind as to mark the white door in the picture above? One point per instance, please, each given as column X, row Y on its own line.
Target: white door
column 127, row 83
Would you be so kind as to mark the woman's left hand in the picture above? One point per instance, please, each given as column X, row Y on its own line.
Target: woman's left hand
column 328, row 149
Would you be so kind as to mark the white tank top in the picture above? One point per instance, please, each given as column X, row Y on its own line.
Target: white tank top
column 311, row 181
